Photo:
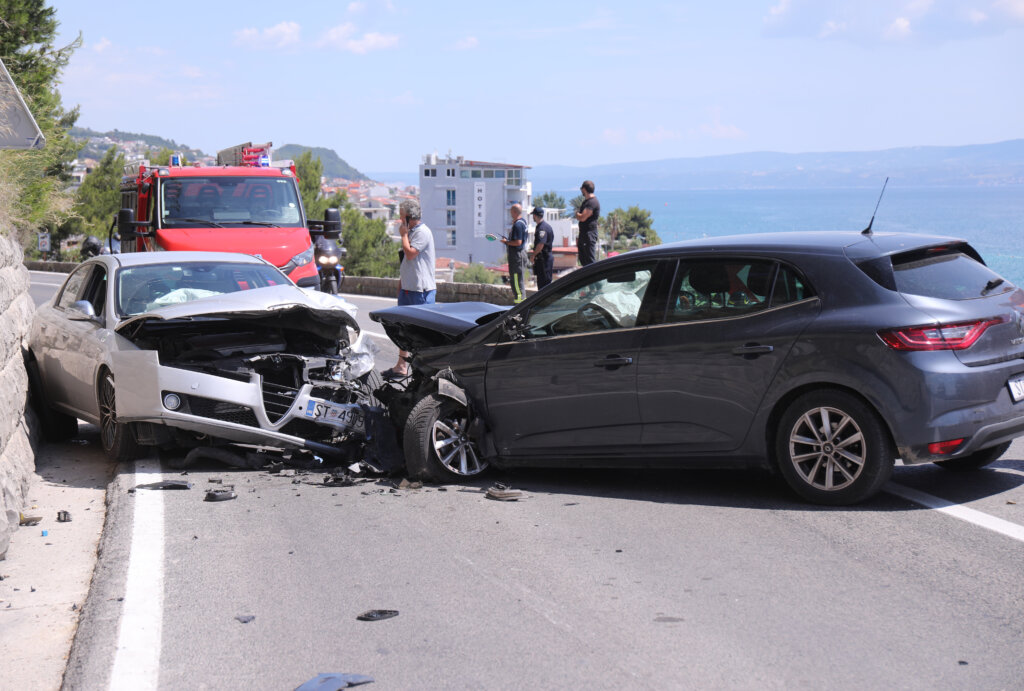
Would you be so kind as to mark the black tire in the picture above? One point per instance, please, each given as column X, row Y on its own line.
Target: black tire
column 436, row 446
column 331, row 286
column 341, row 280
column 369, row 383
column 116, row 437
column 55, row 426
column 976, row 460
column 844, row 464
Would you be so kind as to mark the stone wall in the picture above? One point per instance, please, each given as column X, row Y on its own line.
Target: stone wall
column 17, row 435
column 446, row 292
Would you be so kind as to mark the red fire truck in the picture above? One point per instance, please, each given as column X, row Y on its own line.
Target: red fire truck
column 243, row 204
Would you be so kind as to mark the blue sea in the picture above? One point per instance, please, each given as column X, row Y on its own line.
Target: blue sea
column 990, row 218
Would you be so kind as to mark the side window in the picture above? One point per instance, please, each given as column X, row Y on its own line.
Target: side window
column 715, row 289
column 789, row 287
column 96, row 290
column 609, row 301
column 73, row 287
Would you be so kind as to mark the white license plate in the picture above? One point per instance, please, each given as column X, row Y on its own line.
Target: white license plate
column 1016, row 388
column 340, row 416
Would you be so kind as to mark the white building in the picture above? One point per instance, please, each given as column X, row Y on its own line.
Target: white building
column 462, row 201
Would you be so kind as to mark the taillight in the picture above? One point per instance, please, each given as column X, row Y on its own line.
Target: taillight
column 958, row 336
column 941, row 448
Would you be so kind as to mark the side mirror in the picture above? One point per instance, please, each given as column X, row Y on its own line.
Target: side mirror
column 81, row 311
column 515, row 327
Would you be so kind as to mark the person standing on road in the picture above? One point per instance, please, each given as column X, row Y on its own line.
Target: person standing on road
column 589, row 212
column 416, row 272
column 543, row 236
column 515, row 243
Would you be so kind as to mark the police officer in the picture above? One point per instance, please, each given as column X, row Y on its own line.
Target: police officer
column 543, row 237
column 515, row 243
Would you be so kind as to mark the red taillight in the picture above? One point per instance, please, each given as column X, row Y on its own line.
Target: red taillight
column 938, row 337
column 941, row 448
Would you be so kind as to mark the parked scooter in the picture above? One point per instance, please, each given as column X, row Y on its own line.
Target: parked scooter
column 328, row 252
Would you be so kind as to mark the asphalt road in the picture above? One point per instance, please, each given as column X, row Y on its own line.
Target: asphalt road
column 593, row 579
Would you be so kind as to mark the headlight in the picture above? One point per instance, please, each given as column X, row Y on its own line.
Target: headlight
column 303, row 258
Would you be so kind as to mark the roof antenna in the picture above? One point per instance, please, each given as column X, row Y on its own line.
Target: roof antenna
column 867, row 231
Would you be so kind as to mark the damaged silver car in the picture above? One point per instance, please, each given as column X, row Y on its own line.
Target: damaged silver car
column 184, row 350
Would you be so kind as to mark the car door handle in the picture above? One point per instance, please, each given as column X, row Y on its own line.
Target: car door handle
column 752, row 349
column 613, row 361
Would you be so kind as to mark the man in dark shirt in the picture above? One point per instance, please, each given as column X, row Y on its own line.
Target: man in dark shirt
column 589, row 212
column 515, row 243
column 543, row 237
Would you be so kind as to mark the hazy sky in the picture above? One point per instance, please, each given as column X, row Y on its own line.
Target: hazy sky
column 383, row 82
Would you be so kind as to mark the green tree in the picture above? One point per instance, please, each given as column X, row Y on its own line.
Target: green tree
column 629, row 229
column 98, row 198
column 576, row 202
column 550, row 200
column 162, row 157
column 370, row 251
column 475, row 273
column 33, row 183
column 310, row 170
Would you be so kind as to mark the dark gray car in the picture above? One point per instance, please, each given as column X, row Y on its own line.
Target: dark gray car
column 822, row 355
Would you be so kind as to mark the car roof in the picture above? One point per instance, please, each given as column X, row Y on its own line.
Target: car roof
column 145, row 258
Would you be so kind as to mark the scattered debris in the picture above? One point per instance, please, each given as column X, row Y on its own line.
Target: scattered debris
column 63, row 516
column 215, row 481
column 377, row 614
column 74, row 608
column 221, row 493
column 333, row 682
column 1010, row 502
column 339, row 478
column 46, row 533
column 245, row 618
column 287, row 472
column 28, row 520
column 962, row 663
column 405, row 484
column 502, row 492
column 165, row 484
column 571, row 503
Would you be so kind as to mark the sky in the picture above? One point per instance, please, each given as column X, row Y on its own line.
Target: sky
column 384, row 82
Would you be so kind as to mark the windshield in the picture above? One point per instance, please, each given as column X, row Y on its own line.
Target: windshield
column 228, row 202
column 144, row 288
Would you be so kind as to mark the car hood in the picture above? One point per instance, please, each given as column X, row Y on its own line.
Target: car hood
column 286, row 305
column 415, row 327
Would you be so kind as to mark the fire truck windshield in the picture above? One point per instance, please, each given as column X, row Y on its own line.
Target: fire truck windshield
column 217, row 201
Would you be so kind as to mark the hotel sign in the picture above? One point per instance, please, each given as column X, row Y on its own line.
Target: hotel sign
column 479, row 210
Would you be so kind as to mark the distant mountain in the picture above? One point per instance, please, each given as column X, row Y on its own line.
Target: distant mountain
column 981, row 164
column 95, row 149
column 334, row 165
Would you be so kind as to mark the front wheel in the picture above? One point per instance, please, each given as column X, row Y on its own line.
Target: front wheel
column 832, row 448
column 117, row 440
column 437, row 444
column 976, row 460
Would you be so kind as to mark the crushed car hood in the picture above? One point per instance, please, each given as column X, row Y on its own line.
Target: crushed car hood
column 414, row 327
column 286, row 305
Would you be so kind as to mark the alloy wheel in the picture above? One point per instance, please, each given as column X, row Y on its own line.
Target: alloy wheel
column 453, row 447
column 108, row 412
column 827, row 448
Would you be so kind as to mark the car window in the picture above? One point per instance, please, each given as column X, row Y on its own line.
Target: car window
column 73, row 286
column 789, row 287
column 611, row 300
column 96, row 290
column 712, row 289
column 952, row 276
column 144, row 288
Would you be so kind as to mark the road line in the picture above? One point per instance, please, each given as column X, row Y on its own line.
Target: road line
column 978, row 518
column 137, row 659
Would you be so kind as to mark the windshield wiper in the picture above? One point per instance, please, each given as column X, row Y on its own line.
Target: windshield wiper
column 193, row 220
column 260, row 223
column 992, row 285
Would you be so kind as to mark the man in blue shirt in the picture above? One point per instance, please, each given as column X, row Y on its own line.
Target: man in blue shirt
column 543, row 237
column 515, row 243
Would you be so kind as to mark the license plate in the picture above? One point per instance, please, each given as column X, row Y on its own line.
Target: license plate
column 1016, row 388
column 345, row 416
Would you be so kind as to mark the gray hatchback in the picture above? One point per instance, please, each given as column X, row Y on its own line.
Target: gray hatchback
column 823, row 355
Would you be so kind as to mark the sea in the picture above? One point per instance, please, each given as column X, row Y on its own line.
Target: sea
column 990, row 218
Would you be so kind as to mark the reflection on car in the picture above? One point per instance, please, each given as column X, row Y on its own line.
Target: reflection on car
column 183, row 350
column 823, row 356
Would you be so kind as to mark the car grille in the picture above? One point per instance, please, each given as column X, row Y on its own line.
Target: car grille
column 277, row 400
column 221, row 410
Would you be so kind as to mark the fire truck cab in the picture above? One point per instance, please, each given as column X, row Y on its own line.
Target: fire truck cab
column 243, row 204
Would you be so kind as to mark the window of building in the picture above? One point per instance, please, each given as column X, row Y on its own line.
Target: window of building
column 449, row 172
column 477, row 173
column 488, row 173
column 451, row 217
column 450, row 197
column 514, row 177
column 464, row 173
column 430, row 172
column 450, row 237
column 499, row 173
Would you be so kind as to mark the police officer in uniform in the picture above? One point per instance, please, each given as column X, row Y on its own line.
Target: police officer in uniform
column 543, row 237
column 515, row 243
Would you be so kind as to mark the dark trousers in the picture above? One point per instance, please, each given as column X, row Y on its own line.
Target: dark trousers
column 515, row 276
column 586, row 245
column 542, row 269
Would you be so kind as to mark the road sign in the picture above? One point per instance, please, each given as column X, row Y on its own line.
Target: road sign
column 44, row 242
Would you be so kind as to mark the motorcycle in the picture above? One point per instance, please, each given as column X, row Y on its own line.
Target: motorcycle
column 328, row 252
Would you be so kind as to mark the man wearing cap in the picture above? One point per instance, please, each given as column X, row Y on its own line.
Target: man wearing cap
column 543, row 237
column 515, row 243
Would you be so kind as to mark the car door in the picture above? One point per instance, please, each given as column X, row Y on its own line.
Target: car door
column 728, row 325
column 86, row 346
column 567, row 387
column 55, row 339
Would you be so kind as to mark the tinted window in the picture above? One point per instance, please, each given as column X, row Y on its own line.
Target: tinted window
column 73, row 287
column 144, row 288
column 789, row 287
column 953, row 276
column 715, row 289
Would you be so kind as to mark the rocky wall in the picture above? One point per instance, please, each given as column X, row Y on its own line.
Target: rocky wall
column 17, row 435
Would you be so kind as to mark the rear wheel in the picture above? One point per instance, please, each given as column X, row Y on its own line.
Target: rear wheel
column 437, row 444
column 832, row 448
column 55, row 426
column 117, row 439
column 978, row 459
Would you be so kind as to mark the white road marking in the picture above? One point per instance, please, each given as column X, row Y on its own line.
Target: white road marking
column 978, row 518
column 137, row 659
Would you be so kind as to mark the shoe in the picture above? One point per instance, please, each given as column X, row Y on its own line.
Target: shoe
column 392, row 374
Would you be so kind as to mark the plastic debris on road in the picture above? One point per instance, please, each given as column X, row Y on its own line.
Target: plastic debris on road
column 333, row 682
column 221, row 493
column 164, row 484
column 245, row 618
column 377, row 614
column 502, row 492
column 63, row 516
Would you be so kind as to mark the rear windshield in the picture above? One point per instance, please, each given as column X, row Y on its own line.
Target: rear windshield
column 947, row 274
